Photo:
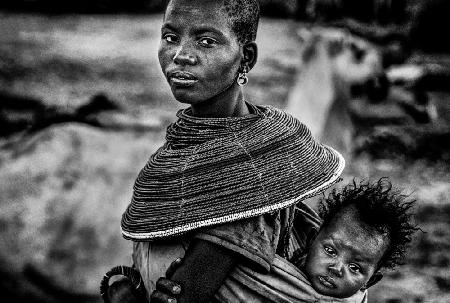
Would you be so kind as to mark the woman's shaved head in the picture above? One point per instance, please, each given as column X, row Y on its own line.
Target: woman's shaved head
column 243, row 16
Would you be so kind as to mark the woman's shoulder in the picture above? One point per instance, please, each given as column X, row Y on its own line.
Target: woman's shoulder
column 279, row 116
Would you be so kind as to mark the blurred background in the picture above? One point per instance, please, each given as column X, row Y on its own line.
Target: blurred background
column 83, row 104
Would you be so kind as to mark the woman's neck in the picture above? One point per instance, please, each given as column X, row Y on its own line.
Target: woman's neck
column 227, row 104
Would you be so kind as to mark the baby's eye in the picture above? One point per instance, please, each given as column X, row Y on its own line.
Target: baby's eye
column 354, row 268
column 171, row 38
column 208, row 42
column 329, row 250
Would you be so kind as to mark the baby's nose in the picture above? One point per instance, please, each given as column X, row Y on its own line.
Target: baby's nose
column 184, row 56
column 336, row 268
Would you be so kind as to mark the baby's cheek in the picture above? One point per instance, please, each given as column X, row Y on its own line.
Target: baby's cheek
column 312, row 264
column 355, row 283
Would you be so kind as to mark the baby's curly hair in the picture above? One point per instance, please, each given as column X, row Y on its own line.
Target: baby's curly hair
column 381, row 207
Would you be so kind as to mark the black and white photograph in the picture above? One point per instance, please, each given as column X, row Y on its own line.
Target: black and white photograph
column 196, row 151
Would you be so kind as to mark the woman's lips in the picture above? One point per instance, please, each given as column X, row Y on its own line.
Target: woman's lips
column 182, row 78
column 327, row 282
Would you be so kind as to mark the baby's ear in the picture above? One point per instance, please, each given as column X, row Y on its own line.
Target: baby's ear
column 376, row 277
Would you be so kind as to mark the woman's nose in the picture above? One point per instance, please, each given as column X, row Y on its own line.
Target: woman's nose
column 336, row 268
column 184, row 56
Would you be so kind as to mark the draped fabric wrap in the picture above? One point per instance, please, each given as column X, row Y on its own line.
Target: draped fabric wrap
column 217, row 170
column 284, row 284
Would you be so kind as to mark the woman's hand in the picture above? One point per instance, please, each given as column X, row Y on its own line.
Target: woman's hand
column 167, row 290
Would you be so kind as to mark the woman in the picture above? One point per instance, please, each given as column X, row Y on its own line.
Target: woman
column 221, row 191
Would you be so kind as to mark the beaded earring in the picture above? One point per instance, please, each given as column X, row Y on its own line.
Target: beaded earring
column 242, row 77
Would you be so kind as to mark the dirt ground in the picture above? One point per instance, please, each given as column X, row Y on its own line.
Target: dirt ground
column 65, row 60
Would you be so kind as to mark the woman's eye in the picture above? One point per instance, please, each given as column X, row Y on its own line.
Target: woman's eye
column 355, row 268
column 207, row 42
column 329, row 250
column 171, row 38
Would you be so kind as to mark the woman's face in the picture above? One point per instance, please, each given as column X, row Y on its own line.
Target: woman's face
column 199, row 53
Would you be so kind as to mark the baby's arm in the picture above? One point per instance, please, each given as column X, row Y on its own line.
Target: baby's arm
column 204, row 269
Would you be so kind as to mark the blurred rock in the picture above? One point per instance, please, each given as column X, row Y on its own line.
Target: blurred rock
column 19, row 113
column 376, row 89
column 423, row 77
column 436, row 77
column 84, row 6
column 62, row 194
column 277, row 8
column 410, row 288
column 425, row 277
column 324, row 10
column 430, row 142
column 392, row 41
column 375, row 34
column 395, row 53
column 405, row 74
column 429, row 24
column 22, row 114
column 366, row 114
column 420, row 109
column 98, row 103
column 369, row 11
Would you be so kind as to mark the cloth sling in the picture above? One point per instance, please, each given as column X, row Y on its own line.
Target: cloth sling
column 284, row 284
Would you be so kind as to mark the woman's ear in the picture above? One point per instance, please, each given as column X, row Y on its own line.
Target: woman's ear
column 250, row 50
column 376, row 277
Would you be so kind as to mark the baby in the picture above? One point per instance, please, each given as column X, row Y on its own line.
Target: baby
column 365, row 229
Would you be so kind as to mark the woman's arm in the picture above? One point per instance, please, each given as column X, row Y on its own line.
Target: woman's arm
column 203, row 270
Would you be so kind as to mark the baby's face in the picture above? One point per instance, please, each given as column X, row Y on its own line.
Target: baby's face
column 344, row 256
column 199, row 53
